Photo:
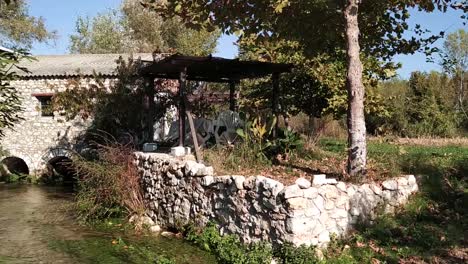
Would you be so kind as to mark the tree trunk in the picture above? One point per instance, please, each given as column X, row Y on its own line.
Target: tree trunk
column 357, row 149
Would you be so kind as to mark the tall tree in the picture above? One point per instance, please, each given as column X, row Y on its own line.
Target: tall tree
column 10, row 102
column 18, row 28
column 135, row 29
column 357, row 149
column 455, row 62
column 316, row 25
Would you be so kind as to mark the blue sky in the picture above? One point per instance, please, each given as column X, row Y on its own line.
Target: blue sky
column 61, row 16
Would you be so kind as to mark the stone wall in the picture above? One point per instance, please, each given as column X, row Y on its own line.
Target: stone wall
column 36, row 139
column 256, row 208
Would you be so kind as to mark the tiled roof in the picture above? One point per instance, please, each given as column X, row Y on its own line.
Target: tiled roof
column 75, row 64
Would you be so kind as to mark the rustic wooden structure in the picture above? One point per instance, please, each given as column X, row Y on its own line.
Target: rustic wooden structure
column 207, row 69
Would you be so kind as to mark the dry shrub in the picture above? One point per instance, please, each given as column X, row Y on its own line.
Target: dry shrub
column 109, row 184
column 428, row 141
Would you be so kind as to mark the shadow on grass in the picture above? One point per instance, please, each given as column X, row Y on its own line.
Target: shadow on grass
column 432, row 227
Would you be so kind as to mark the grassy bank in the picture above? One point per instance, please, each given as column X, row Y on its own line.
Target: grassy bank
column 433, row 226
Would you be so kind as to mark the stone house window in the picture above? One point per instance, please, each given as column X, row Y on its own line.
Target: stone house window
column 45, row 101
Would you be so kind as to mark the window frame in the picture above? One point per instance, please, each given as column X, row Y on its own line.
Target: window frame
column 45, row 100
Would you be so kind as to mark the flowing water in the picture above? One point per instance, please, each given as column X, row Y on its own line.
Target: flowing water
column 36, row 227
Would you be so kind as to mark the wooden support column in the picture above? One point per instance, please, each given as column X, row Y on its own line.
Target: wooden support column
column 150, row 108
column 232, row 96
column 181, row 110
column 193, row 132
column 275, row 101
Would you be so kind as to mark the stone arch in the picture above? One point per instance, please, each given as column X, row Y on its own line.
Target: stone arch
column 52, row 153
column 61, row 166
column 13, row 164
column 58, row 162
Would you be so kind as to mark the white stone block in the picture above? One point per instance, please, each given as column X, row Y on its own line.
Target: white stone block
column 341, row 186
column 207, row 180
column 239, row 181
column 390, row 185
column 178, row 151
column 293, row 191
column 321, row 179
column 303, row 183
column 324, row 237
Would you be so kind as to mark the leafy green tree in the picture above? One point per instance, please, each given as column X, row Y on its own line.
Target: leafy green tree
column 374, row 28
column 10, row 102
column 455, row 62
column 104, row 34
column 18, row 28
column 420, row 106
column 135, row 29
column 115, row 108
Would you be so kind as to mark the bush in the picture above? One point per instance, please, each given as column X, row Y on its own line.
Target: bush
column 229, row 250
column 421, row 106
column 290, row 254
column 108, row 185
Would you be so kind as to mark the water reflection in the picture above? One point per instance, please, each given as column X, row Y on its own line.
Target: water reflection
column 29, row 215
column 34, row 218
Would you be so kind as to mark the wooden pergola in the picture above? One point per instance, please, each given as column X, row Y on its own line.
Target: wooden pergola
column 207, row 69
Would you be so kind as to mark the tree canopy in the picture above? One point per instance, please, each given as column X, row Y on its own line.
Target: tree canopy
column 18, row 28
column 455, row 62
column 135, row 29
column 369, row 29
column 10, row 101
column 314, row 24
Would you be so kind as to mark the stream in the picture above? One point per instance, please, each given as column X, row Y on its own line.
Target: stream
column 37, row 227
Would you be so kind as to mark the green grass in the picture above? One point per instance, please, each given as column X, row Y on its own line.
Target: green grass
column 433, row 226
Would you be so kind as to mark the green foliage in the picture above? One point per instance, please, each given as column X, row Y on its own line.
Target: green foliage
column 10, row 101
column 287, row 142
column 316, row 86
column 256, row 147
column 455, row 63
column 422, row 106
column 113, row 245
column 115, row 108
column 255, row 137
column 108, row 186
column 313, row 24
column 430, row 224
column 455, row 52
column 104, row 34
column 290, row 254
column 134, row 29
column 228, row 249
column 15, row 178
column 18, row 28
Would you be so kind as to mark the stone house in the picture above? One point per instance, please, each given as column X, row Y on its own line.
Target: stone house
column 43, row 136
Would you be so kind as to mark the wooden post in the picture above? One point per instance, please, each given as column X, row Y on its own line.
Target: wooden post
column 182, row 95
column 232, row 96
column 275, row 101
column 193, row 132
column 149, row 106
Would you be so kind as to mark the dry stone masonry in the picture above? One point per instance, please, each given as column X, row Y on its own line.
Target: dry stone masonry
column 180, row 192
column 40, row 137
column 37, row 138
